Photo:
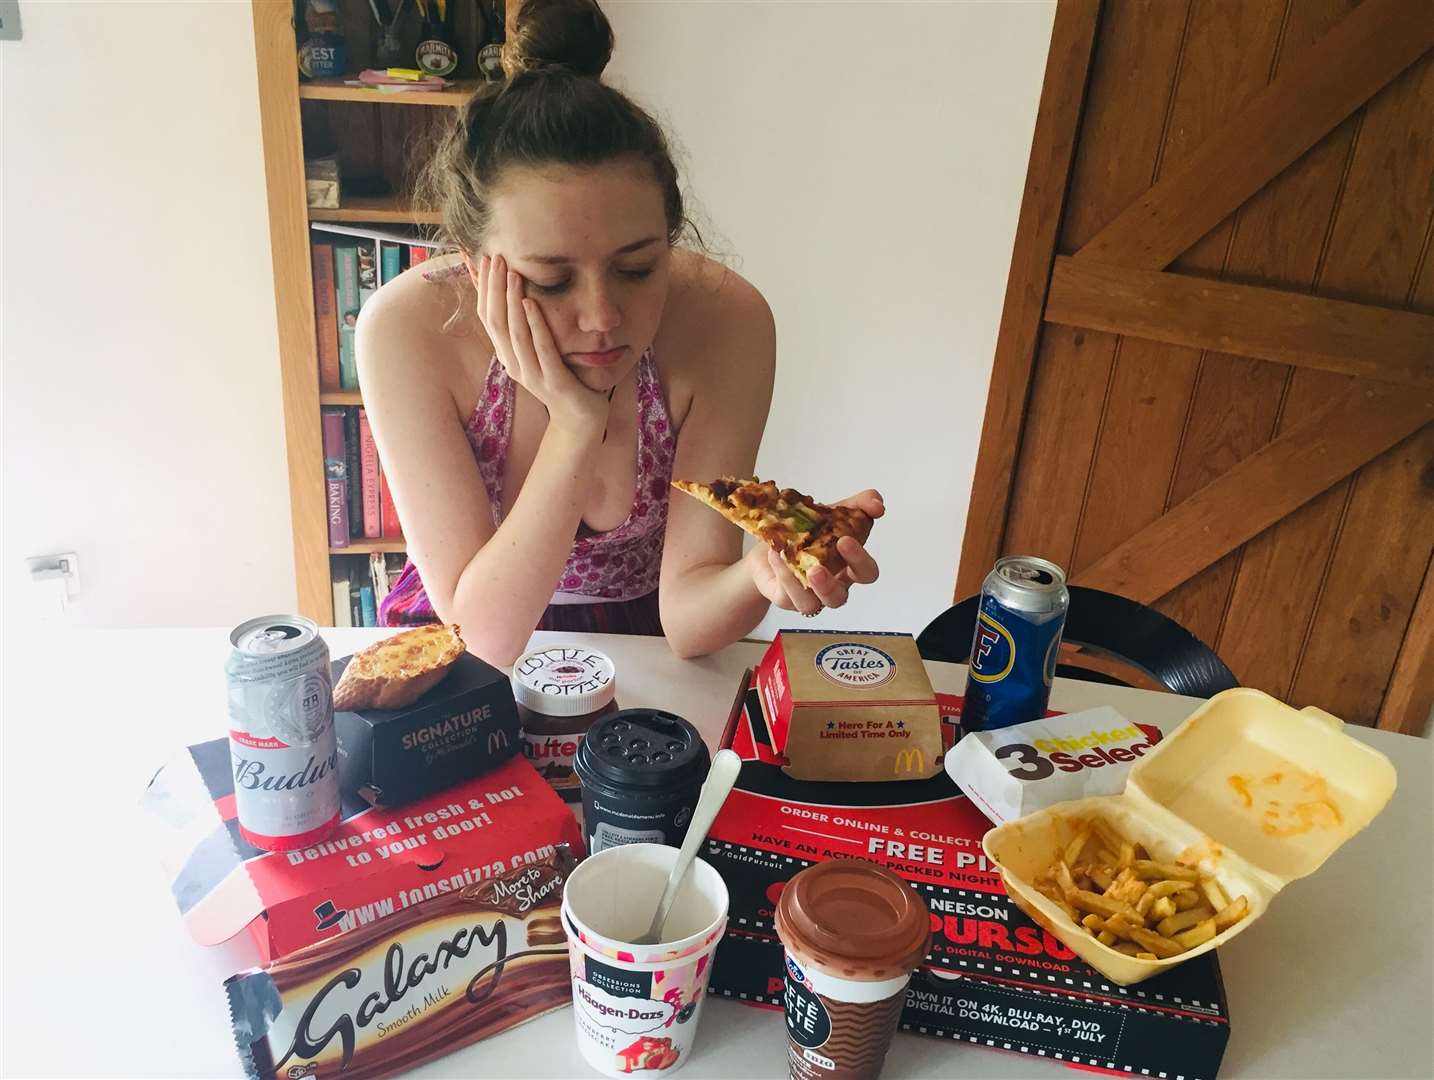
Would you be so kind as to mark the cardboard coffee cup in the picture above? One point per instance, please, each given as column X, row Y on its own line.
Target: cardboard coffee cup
column 853, row 932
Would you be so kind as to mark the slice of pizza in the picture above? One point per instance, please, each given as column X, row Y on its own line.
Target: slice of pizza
column 801, row 530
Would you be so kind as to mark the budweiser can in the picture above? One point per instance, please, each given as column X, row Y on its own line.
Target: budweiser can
column 281, row 733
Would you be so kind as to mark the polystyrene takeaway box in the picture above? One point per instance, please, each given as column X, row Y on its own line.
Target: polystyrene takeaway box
column 1256, row 792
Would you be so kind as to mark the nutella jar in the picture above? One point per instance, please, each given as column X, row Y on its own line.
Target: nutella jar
column 561, row 691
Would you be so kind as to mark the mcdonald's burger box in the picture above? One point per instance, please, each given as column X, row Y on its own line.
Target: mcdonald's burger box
column 993, row 977
column 850, row 706
column 378, row 863
column 464, row 726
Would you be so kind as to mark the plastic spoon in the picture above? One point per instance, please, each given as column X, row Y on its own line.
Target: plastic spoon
column 718, row 785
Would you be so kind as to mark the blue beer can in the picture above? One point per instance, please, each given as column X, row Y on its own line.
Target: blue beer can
column 1017, row 640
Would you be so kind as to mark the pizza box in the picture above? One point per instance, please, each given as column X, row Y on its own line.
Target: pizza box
column 994, row 977
column 376, row 863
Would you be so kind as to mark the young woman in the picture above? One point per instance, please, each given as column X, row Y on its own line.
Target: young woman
column 533, row 395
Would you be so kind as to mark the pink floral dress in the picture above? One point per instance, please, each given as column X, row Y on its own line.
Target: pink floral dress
column 609, row 583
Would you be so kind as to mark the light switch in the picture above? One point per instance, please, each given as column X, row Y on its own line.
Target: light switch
column 63, row 567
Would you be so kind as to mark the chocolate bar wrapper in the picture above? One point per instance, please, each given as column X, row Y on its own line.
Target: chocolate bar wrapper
column 380, row 999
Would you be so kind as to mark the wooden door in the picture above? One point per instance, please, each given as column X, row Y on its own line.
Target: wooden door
column 1214, row 380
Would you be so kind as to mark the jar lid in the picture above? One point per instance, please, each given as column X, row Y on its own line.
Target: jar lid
column 643, row 749
column 564, row 680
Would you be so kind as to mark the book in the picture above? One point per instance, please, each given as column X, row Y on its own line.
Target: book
column 355, row 603
column 335, row 477
column 368, row 608
column 378, row 574
column 394, row 562
column 388, row 513
column 417, row 254
column 368, row 466
column 390, row 258
column 367, row 254
column 355, row 472
column 343, row 613
column 346, row 279
column 326, row 324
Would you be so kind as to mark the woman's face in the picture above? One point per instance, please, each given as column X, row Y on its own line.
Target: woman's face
column 591, row 243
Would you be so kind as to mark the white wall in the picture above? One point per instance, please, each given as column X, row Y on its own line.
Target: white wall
column 862, row 163
column 142, row 424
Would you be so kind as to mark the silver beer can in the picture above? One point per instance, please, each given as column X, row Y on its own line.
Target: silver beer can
column 281, row 732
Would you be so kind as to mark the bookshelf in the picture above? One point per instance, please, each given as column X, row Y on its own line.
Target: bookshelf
column 365, row 547
column 386, row 208
column 375, row 134
column 335, row 90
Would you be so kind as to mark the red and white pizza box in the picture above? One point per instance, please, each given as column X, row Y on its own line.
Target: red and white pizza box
column 377, row 862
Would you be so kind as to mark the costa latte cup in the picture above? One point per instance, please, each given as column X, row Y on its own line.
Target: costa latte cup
column 636, row 1007
column 853, row 933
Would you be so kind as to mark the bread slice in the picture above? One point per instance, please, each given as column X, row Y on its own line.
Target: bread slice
column 397, row 671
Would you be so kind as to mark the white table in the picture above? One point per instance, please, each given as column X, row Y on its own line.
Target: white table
column 101, row 980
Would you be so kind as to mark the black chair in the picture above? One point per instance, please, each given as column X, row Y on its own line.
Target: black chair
column 1104, row 624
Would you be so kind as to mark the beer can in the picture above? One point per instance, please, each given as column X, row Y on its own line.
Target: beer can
column 281, row 732
column 1019, row 622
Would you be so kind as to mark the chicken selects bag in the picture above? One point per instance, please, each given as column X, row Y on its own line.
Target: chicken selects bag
column 1014, row 771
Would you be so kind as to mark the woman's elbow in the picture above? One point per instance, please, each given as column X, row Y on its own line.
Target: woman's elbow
column 492, row 644
column 689, row 646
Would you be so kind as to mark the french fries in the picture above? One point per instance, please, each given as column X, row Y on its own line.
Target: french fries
column 1230, row 914
column 1132, row 903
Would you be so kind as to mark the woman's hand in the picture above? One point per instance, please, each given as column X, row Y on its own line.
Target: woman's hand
column 525, row 347
column 780, row 586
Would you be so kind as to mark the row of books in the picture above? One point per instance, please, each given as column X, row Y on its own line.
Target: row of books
column 356, row 493
column 349, row 265
column 360, row 588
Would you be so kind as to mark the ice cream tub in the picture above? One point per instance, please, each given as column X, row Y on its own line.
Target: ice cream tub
column 1249, row 792
column 636, row 1006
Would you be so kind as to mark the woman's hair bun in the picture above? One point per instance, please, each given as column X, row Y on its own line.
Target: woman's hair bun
column 571, row 34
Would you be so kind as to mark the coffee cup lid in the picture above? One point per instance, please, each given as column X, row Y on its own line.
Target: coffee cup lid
column 644, row 749
column 564, row 680
column 851, row 913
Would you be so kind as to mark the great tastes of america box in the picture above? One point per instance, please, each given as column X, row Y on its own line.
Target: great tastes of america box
column 993, row 977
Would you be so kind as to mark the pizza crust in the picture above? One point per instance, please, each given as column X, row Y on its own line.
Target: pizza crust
column 397, row 671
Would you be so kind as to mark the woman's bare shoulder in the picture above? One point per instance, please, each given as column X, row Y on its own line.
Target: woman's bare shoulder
column 420, row 326
column 707, row 293
column 717, row 326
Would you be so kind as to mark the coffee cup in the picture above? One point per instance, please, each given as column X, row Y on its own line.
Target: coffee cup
column 853, row 933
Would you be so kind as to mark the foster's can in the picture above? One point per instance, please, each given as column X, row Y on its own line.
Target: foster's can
column 1017, row 640
column 281, row 733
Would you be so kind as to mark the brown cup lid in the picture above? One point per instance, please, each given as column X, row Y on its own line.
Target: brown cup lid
column 850, row 912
